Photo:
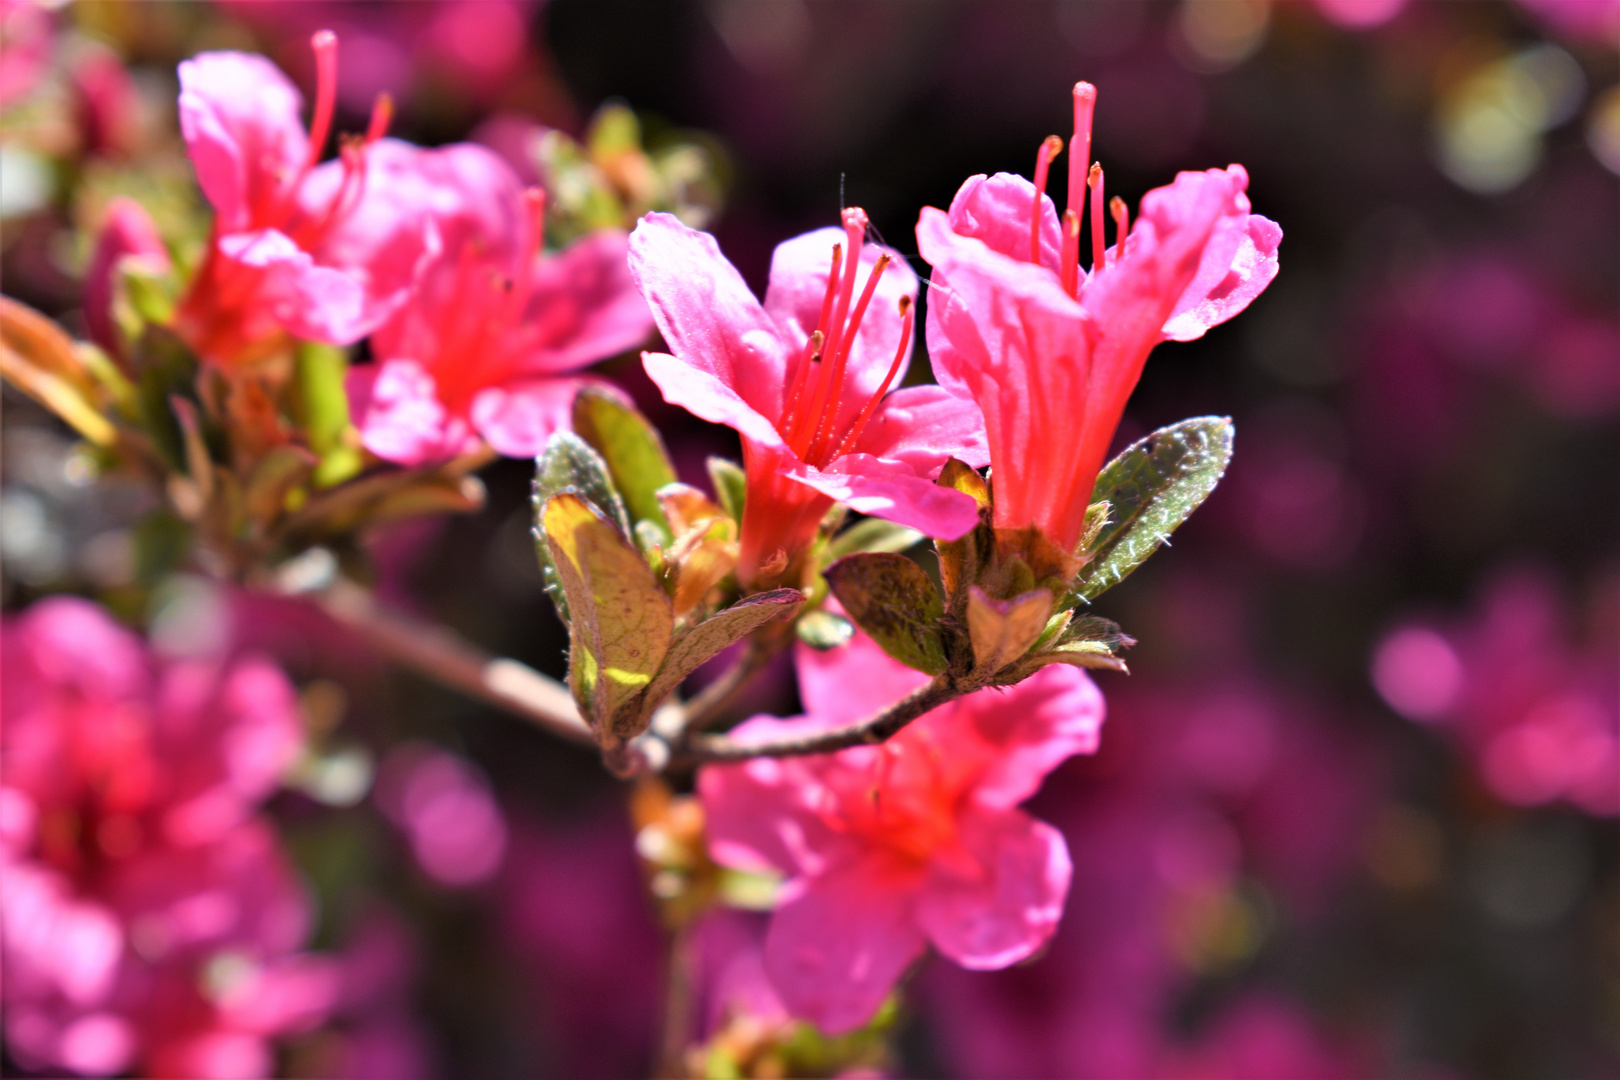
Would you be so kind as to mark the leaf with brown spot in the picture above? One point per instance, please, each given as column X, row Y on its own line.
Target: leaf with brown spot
column 895, row 602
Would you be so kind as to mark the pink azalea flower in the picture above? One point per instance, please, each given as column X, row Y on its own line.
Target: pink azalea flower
column 919, row 840
column 148, row 918
column 128, row 233
column 803, row 380
column 485, row 351
column 1051, row 353
column 321, row 252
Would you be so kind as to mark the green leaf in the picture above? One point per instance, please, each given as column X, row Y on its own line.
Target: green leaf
column 705, row 640
column 1151, row 488
column 621, row 622
column 730, row 486
column 895, row 602
column 322, row 408
column 824, row 630
column 873, row 534
column 568, row 463
column 630, row 448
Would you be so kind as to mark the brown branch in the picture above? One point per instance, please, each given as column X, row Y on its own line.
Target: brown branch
column 454, row 662
column 936, row 692
column 709, row 704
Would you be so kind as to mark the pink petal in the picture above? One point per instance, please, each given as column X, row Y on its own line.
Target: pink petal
column 395, row 406
column 793, row 298
column 996, row 210
column 706, row 313
column 75, row 642
column 128, row 233
column 894, row 492
column 708, row 397
column 585, row 305
column 1222, row 290
column 1006, row 911
column 318, row 303
column 838, row 943
column 517, row 418
column 924, row 425
column 260, row 726
column 764, row 814
column 242, row 123
column 850, row 683
column 1030, row 729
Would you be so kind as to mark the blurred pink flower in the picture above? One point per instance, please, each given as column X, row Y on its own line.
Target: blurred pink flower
column 149, row 920
column 322, row 252
column 447, row 812
column 129, row 233
column 1361, row 14
column 805, row 380
column 919, row 840
column 1534, row 709
column 1595, row 21
column 25, row 47
column 485, row 351
column 1050, row 353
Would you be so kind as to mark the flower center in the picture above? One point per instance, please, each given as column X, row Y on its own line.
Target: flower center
column 903, row 802
column 810, row 420
column 1084, row 182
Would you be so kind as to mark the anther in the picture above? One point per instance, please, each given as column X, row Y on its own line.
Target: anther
column 1122, row 224
column 1094, row 181
column 1051, row 147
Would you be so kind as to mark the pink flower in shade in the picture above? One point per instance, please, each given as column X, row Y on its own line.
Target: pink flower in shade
column 919, row 840
column 321, row 252
column 805, row 379
column 148, row 918
column 487, row 349
column 128, row 233
column 446, row 810
column 1051, row 353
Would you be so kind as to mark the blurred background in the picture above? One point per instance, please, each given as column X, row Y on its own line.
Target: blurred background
column 1354, row 813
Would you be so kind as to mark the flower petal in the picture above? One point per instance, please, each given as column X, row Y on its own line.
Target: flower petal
column 517, row 418
column 996, row 210
column 893, row 491
column 241, row 119
column 1030, row 729
column 708, row 397
column 585, row 306
column 849, row 683
column 839, row 942
column 1238, row 263
column 924, row 425
column 1006, row 912
column 706, row 313
column 396, row 407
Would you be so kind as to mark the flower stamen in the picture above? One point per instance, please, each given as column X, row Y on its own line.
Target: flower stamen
column 833, row 377
column 1122, row 224
column 1094, row 180
column 1051, row 147
column 325, row 44
column 908, row 314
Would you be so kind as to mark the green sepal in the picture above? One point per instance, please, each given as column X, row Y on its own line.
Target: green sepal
column 873, row 534
column 895, row 602
column 730, row 486
column 1151, row 488
column 322, row 408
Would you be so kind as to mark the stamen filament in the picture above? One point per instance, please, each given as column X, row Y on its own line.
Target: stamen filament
column 382, row 115
column 1051, row 147
column 324, row 43
column 834, row 377
column 813, row 348
column 855, row 234
column 1070, row 262
column 908, row 316
column 1094, row 180
column 1122, row 225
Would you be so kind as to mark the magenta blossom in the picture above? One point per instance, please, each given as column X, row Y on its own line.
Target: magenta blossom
column 148, row 919
column 1051, row 353
column 919, row 840
column 129, row 233
column 486, row 350
column 805, row 379
column 321, row 252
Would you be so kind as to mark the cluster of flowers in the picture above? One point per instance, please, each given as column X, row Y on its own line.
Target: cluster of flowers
column 477, row 338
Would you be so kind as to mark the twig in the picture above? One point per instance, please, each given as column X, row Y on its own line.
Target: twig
column 938, row 691
column 680, row 1003
column 451, row 660
column 710, row 703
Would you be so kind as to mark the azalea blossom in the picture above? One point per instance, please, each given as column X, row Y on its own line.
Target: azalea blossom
column 149, row 919
column 129, row 233
column 1051, row 353
column 321, row 252
column 805, row 379
column 485, row 351
column 886, row 849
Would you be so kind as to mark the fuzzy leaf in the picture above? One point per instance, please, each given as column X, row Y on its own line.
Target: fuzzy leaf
column 1003, row 630
column 1151, row 488
column 630, row 448
column 895, row 602
column 719, row 631
column 873, row 534
column 621, row 622
column 569, row 463
column 730, row 485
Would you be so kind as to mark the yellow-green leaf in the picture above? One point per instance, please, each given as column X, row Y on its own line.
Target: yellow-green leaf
column 630, row 447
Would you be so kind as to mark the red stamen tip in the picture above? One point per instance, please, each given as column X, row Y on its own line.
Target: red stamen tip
column 1122, row 224
column 1051, row 147
column 1094, row 180
column 382, row 115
